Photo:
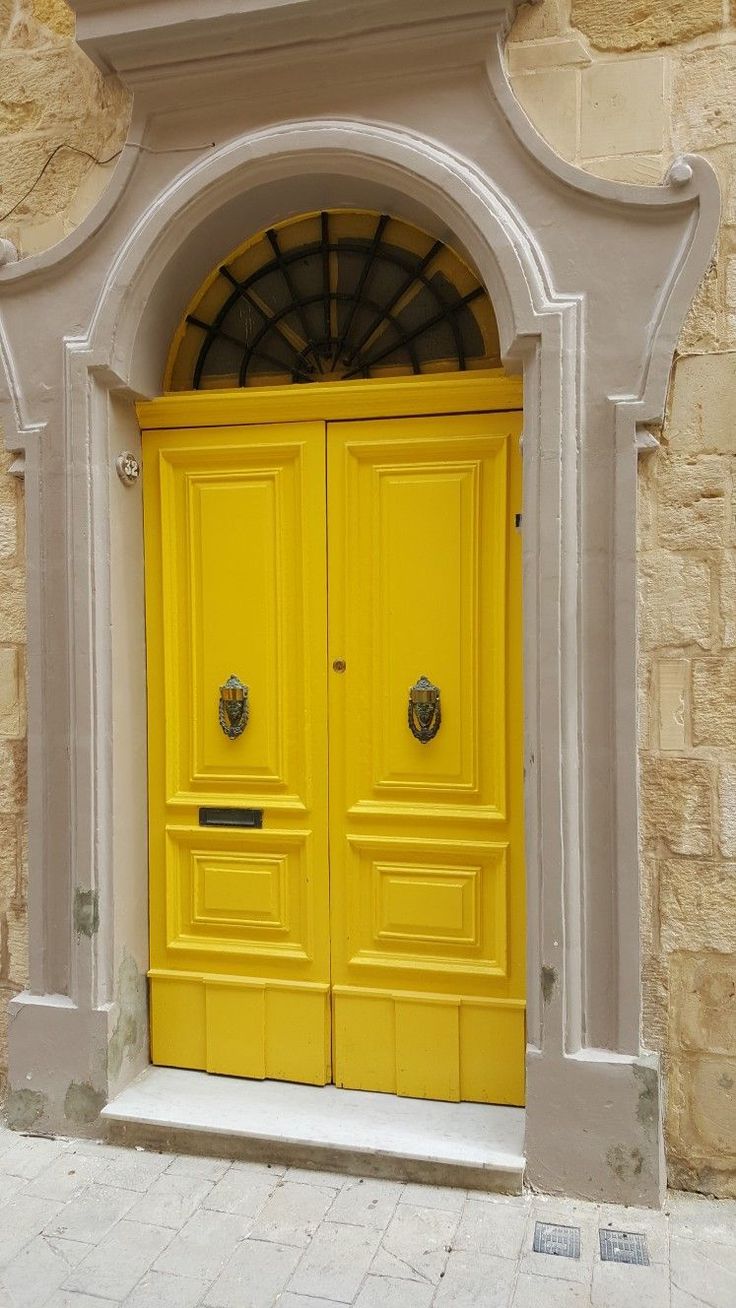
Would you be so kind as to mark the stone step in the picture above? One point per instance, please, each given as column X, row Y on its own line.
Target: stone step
column 478, row 1146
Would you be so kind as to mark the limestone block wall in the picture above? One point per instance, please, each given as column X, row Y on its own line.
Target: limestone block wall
column 57, row 116
column 619, row 88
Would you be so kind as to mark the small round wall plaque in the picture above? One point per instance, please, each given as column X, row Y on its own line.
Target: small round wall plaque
column 128, row 468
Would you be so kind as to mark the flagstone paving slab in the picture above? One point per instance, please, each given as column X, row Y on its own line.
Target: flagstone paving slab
column 84, row 1224
column 257, row 1273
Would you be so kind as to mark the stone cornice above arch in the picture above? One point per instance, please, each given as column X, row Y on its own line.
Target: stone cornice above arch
column 152, row 34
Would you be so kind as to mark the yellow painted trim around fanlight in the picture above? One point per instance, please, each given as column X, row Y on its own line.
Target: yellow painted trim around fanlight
column 471, row 392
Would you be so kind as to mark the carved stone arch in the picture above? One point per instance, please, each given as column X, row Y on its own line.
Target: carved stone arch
column 84, row 329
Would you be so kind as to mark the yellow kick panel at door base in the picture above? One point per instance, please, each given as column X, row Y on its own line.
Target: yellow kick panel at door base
column 236, row 588
column 426, row 832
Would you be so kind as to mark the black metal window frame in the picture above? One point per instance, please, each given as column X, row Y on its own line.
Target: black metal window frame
column 330, row 354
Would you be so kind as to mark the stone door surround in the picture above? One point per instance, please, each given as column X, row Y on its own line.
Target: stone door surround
column 244, row 114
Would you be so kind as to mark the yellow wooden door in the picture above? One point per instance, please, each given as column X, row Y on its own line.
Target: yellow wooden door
column 236, row 585
column 423, row 910
column 426, row 838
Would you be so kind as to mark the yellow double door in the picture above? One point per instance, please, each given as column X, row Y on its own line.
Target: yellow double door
column 334, row 897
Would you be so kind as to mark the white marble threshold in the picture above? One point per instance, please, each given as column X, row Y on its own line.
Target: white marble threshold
column 475, row 1145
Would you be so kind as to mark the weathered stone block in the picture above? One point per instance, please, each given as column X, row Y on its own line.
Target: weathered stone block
column 705, row 105
column 12, row 605
column 730, row 293
column 19, row 116
column 676, row 805
column 12, row 775
column 649, row 903
column 697, row 905
column 645, row 678
column 701, row 331
column 727, row 598
column 22, row 836
column 727, row 810
column 653, row 965
column 654, row 1001
column 55, row 80
column 550, row 99
column 56, row 15
column 693, row 1163
column 12, row 714
column 20, row 164
column 8, row 517
column 6, row 14
column 9, row 854
column 547, row 54
column 703, row 1002
column 17, row 944
column 87, row 194
column 703, row 404
column 692, row 502
column 673, row 684
column 631, row 25
column 641, row 169
column 36, row 236
column 546, row 18
column 54, row 96
column 622, row 109
column 713, row 1104
column 674, row 600
column 727, row 173
column 646, row 501
column 6, row 994
column 714, row 702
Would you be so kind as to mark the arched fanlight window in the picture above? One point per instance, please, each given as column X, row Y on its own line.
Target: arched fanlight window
column 334, row 296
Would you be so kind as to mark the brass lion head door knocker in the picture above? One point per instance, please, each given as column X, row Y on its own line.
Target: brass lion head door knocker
column 234, row 708
column 425, row 714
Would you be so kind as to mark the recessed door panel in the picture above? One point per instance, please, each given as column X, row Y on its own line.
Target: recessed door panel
column 243, row 599
column 423, row 566
column 236, row 586
column 418, row 539
column 426, row 831
column 426, row 904
column 243, row 896
column 240, row 582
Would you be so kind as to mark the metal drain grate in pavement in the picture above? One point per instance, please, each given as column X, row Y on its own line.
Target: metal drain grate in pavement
column 624, row 1247
column 560, row 1241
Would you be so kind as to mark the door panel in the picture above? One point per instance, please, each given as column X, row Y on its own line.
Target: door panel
column 427, row 878
column 236, row 584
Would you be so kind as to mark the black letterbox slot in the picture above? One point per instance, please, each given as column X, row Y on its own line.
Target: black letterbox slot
column 231, row 817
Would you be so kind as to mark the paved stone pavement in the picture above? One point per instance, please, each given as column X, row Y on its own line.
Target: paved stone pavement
column 85, row 1224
